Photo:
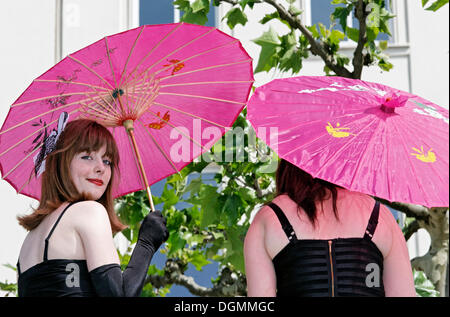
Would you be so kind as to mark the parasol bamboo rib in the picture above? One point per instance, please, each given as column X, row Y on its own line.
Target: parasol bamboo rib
column 205, row 68
column 208, row 83
column 139, row 82
column 25, row 184
column 194, row 56
column 151, row 90
column 150, row 52
column 29, row 136
column 20, row 163
column 110, row 107
column 129, row 55
column 188, row 114
column 90, row 69
column 110, row 62
column 202, row 97
column 69, row 83
column 128, row 124
column 97, row 113
column 165, row 57
column 48, row 97
column 42, row 114
column 181, row 132
column 159, row 146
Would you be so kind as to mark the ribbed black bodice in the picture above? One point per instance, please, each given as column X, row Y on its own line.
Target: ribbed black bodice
column 337, row 267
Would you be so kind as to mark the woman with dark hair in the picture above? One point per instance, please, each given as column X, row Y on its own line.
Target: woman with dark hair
column 318, row 239
column 69, row 250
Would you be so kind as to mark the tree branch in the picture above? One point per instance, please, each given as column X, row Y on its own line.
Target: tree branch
column 358, row 58
column 229, row 285
column 417, row 211
column 317, row 47
column 411, row 229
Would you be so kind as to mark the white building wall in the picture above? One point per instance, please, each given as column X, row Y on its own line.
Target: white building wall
column 36, row 34
column 34, row 37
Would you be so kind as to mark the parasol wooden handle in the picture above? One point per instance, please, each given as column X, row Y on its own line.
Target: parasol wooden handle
column 128, row 124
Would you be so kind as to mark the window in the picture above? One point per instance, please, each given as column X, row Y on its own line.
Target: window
column 321, row 10
column 163, row 11
column 156, row 12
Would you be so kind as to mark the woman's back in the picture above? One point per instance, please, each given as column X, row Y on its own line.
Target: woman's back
column 64, row 243
column 354, row 211
column 52, row 260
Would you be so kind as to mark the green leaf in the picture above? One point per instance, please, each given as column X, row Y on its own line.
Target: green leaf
column 353, row 34
column 244, row 3
column 235, row 247
column 194, row 187
column 291, row 60
column 198, row 260
column 169, row 197
column 9, row 266
column 323, row 30
column 269, row 43
column 199, row 18
column 176, row 242
column 235, row 16
column 341, row 13
column 342, row 60
column 336, row 36
column 231, row 208
column 269, row 17
column 424, row 287
column 383, row 45
column 372, row 34
column 199, row 5
column 385, row 65
column 313, row 30
column 210, row 204
column 182, row 5
column 437, row 5
column 293, row 10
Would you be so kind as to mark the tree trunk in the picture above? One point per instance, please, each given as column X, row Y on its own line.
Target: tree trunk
column 435, row 262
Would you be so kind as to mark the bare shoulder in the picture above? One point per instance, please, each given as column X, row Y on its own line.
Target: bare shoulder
column 263, row 215
column 360, row 198
column 89, row 213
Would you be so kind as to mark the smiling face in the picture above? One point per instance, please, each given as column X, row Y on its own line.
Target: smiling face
column 91, row 172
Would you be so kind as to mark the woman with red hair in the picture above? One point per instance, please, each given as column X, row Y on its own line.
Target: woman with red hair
column 69, row 250
column 317, row 239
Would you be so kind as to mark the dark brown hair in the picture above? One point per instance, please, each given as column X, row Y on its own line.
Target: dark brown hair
column 56, row 183
column 305, row 190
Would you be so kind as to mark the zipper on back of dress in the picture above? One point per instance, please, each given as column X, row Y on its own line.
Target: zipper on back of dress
column 330, row 252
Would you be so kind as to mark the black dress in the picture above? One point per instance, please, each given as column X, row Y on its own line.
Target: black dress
column 335, row 267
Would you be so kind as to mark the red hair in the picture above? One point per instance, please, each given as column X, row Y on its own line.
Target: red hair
column 56, row 183
column 305, row 190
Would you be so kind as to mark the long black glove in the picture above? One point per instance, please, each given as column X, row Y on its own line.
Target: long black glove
column 109, row 280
